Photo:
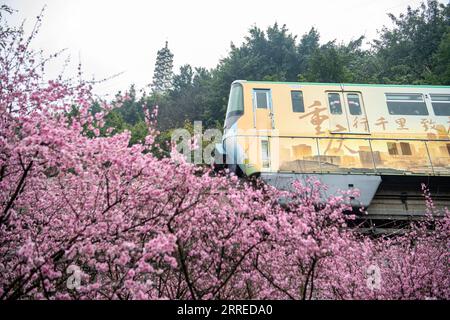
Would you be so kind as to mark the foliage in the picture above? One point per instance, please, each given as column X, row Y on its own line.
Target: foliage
column 441, row 69
column 405, row 52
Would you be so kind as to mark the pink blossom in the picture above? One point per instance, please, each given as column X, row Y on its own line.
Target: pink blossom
column 140, row 227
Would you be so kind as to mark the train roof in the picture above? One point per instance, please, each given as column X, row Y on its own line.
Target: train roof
column 344, row 84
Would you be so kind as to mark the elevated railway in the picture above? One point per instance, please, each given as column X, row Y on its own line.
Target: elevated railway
column 385, row 140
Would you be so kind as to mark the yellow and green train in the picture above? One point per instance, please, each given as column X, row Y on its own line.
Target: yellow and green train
column 348, row 135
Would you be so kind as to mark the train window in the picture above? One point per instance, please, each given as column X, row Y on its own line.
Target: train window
column 392, row 148
column 354, row 105
column 406, row 148
column 265, row 153
column 411, row 104
column 262, row 98
column 235, row 107
column 297, row 101
column 236, row 100
column 334, row 99
column 441, row 104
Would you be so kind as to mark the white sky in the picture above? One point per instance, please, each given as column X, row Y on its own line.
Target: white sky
column 112, row 36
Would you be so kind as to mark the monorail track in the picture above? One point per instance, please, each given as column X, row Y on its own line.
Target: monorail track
column 399, row 201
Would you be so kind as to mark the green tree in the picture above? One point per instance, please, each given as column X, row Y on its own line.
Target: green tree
column 309, row 44
column 441, row 71
column 187, row 100
column 326, row 65
column 265, row 55
column 406, row 51
column 342, row 62
column 131, row 109
column 114, row 120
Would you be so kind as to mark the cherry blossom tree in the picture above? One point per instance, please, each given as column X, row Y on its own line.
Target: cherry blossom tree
column 87, row 216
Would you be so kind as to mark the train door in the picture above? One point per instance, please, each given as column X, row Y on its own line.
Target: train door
column 357, row 118
column 347, row 113
column 263, row 117
column 338, row 115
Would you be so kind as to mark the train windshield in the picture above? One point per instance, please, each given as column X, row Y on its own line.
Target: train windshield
column 235, row 104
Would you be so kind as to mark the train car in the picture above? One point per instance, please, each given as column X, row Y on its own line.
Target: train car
column 346, row 135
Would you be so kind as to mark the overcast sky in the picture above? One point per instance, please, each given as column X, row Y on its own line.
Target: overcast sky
column 112, row 36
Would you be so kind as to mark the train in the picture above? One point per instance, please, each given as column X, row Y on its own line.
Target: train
column 346, row 135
